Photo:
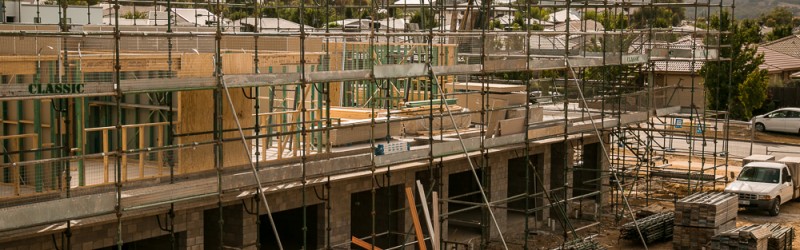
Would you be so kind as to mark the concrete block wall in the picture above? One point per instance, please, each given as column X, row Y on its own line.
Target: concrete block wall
column 241, row 229
column 88, row 237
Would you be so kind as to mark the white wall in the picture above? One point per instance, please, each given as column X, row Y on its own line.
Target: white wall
column 49, row 13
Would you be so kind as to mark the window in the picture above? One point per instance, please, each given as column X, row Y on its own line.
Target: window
column 794, row 114
column 786, row 176
column 756, row 174
column 778, row 114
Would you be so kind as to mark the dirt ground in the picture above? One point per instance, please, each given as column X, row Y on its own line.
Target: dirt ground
column 744, row 132
column 609, row 235
column 789, row 216
column 607, row 232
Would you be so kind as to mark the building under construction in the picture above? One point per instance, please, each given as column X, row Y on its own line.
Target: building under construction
column 231, row 135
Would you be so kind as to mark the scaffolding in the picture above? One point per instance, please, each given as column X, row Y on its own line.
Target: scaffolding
column 113, row 120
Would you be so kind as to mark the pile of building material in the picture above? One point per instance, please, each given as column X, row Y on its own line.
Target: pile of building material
column 700, row 216
column 753, row 237
column 582, row 244
column 654, row 227
column 781, row 238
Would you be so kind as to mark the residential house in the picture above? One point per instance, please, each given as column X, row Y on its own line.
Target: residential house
column 36, row 12
column 454, row 17
column 561, row 16
column 157, row 16
column 268, row 24
column 789, row 45
column 780, row 66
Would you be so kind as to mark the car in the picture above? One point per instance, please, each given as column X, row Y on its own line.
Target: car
column 765, row 185
column 780, row 120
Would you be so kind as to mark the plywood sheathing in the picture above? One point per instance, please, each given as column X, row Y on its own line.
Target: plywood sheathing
column 361, row 131
column 473, row 102
column 515, row 122
column 197, row 115
column 495, row 116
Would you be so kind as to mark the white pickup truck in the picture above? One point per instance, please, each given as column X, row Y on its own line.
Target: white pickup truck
column 765, row 185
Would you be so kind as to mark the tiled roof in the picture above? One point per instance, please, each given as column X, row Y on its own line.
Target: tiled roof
column 777, row 61
column 678, row 66
column 789, row 45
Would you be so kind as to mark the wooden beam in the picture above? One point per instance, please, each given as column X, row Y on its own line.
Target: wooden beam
column 437, row 227
column 141, row 154
column 124, row 143
column 160, row 155
column 105, row 156
column 363, row 244
column 412, row 208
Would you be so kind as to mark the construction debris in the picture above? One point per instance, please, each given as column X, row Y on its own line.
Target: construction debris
column 753, row 237
column 654, row 227
column 700, row 216
column 781, row 238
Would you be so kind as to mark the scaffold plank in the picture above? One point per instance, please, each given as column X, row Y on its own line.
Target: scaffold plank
column 400, row 70
column 333, row 76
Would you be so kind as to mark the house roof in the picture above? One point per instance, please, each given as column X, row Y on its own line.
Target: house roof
column 578, row 25
column 677, row 66
column 777, row 61
column 195, row 16
column 271, row 23
column 412, row 2
column 789, row 45
column 539, row 42
column 561, row 16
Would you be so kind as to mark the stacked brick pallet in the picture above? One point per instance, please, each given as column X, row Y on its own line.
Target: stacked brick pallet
column 753, row 237
column 583, row 244
column 700, row 216
column 654, row 227
column 781, row 238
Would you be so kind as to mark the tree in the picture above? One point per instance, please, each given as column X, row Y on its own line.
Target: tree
column 753, row 92
column 776, row 17
column 538, row 13
column 779, row 32
column 658, row 16
column 609, row 19
column 781, row 20
column 724, row 80
column 429, row 20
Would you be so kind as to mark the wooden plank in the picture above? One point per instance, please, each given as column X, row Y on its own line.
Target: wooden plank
column 511, row 126
column 437, row 227
column 492, row 87
column 495, row 116
column 352, row 113
column 363, row 244
column 412, row 208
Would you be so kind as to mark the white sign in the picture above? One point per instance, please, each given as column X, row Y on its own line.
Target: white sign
column 634, row 59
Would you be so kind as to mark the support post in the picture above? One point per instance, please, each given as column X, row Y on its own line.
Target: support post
column 412, row 208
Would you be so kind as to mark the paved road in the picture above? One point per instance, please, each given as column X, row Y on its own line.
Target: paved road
column 738, row 149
